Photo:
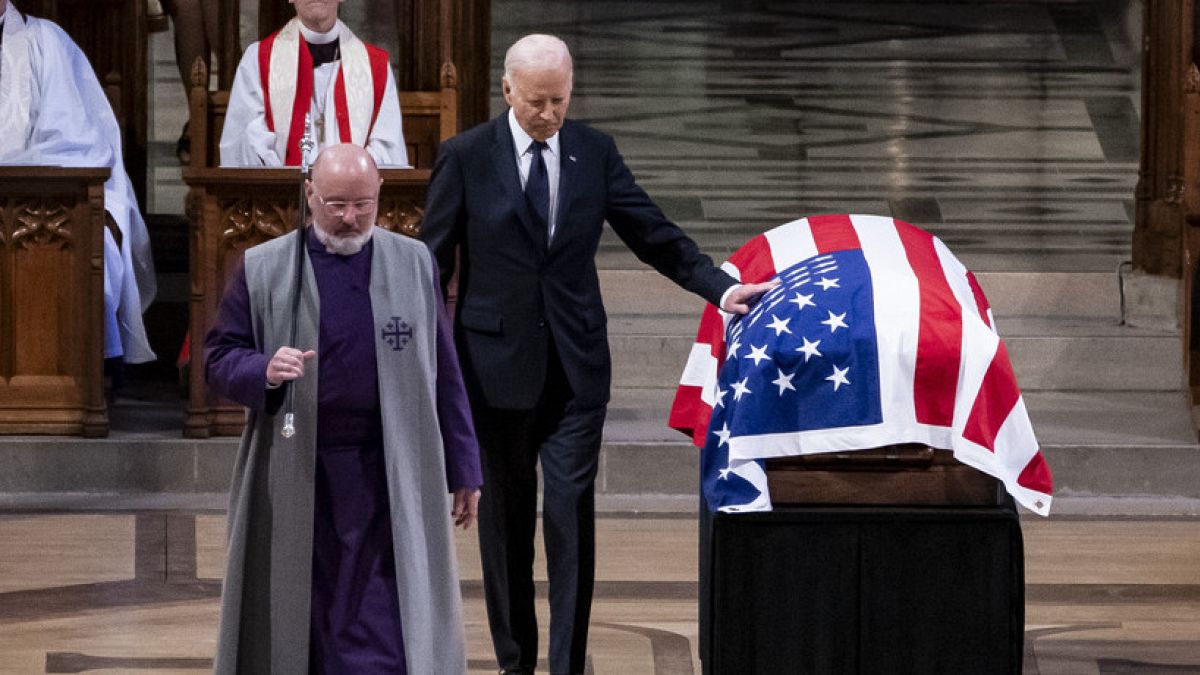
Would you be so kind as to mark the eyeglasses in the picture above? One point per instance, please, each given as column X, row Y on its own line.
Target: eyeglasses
column 338, row 209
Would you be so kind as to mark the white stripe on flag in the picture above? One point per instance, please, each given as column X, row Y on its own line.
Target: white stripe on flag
column 897, row 308
column 754, row 474
column 956, row 276
column 1015, row 446
column 979, row 345
column 790, row 243
column 700, row 365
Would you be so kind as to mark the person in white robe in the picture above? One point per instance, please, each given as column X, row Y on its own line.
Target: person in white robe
column 313, row 72
column 53, row 112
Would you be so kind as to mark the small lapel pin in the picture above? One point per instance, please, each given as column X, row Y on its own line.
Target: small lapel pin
column 571, row 157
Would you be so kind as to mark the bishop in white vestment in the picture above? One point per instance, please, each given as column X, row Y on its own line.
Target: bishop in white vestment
column 53, row 112
column 337, row 84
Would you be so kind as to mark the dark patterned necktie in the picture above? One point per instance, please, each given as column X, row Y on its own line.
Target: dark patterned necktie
column 537, row 187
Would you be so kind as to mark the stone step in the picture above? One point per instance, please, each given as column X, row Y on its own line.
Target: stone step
column 1056, row 294
column 1075, row 418
column 1099, row 444
column 1121, row 446
column 1047, row 354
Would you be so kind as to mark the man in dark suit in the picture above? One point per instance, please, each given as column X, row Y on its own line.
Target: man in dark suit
column 523, row 200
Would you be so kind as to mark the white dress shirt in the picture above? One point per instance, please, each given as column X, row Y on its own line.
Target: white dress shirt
column 522, row 146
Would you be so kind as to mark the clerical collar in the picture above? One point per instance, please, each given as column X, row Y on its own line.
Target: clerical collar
column 324, row 47
column 312, row 37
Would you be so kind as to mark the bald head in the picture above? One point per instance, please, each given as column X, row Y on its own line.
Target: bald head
column 343, row 197
column 537, row 84
column 345, row 160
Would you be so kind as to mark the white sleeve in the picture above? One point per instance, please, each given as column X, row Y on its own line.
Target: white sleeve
column 386, row 142
column 75, row 126
column 246, row 140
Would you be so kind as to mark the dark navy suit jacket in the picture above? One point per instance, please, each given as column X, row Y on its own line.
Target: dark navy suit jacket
column 515, row 293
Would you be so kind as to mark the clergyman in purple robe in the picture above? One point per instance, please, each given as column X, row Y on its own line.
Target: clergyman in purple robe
column 341, row 558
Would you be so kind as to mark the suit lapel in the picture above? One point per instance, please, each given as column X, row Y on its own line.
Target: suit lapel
column 505, row 164
column 567, row 170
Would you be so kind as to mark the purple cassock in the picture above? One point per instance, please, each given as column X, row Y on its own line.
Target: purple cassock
column 355, row 625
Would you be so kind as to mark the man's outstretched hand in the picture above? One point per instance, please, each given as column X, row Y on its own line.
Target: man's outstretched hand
column 743, row 296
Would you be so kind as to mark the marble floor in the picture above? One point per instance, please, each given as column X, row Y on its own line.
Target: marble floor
column 135, row 592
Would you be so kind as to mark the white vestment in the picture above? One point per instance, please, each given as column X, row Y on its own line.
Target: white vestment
column 54, row 113
column 248, row 138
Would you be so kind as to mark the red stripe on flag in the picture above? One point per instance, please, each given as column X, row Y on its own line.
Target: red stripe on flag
column 754, row 260
column 997, row 395
column 981, row 302
column 690, row 414
column 712, row 326
column 833, row 233
column 1036, row 475
column 939, row 334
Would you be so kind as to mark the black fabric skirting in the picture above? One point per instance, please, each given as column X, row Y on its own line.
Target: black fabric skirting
column 862, row 590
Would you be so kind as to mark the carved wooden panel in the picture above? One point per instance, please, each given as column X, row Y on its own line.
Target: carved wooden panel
column 51, row 301
column 234, row 209
column 401, row 215
column 42, row 223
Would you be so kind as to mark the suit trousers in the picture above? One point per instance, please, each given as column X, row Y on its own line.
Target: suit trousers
column 566, row 439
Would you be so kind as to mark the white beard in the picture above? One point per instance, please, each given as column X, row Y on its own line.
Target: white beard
column 348, row 245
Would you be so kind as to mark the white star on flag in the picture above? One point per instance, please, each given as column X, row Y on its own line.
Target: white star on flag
column 809, row 349
column 835, row 321
column 838, row 378
column 723, row 434
column 720, row 398
column 740, row 388
column 757, row 354
column 725, row 473
column 733, row 348
column 826, row 283
column 803, row 301
column 780, row 326
column 784, row 382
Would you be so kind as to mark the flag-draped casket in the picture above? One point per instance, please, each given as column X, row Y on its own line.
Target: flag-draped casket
column 876, row 336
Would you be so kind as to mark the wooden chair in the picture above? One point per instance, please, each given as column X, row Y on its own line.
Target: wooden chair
column 429, row 117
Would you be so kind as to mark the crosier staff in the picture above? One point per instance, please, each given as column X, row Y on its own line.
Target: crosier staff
column 306, row 146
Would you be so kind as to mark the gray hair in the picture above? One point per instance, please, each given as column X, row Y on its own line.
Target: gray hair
column 536, row 51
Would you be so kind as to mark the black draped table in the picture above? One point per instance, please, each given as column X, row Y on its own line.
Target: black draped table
column 863, row 589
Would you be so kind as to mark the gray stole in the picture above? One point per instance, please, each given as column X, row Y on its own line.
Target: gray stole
column 266, row 596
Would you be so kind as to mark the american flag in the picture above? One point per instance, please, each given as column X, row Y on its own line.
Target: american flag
column 876, row 335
